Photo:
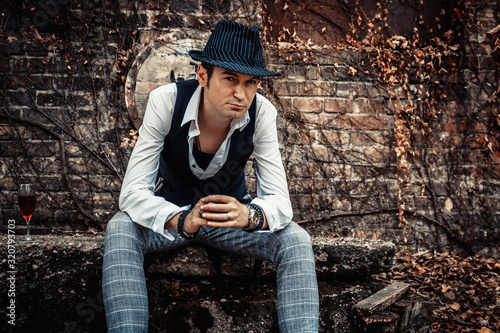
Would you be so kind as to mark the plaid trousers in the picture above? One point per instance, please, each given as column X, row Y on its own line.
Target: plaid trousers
column 124, row 284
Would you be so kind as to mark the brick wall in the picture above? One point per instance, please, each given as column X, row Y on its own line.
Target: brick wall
column 65, row 124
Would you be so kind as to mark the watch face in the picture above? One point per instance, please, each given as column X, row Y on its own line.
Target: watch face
column 252, row 219
column 255, row 218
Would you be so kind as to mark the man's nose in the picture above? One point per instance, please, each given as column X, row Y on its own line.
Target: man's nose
column 239, row 92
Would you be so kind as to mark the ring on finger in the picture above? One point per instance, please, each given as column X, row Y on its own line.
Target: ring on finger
column 228, row 216
column 200, row 212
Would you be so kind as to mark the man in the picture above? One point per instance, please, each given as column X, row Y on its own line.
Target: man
column 185, row 183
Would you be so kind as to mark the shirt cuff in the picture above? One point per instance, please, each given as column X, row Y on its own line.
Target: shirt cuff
column 162, row 217
column 271, row 214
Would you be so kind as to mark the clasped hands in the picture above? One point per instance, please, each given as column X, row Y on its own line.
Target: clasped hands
column 217, row 210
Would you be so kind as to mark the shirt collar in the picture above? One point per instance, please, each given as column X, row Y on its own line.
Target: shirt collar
column 191, row 113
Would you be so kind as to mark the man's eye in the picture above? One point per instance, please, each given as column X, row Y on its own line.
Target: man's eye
column 229, row 78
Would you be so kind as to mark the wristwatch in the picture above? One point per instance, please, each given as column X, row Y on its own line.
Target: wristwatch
column 255, row 218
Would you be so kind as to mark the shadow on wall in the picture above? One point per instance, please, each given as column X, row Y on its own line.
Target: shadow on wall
column 156, row 65
column 328, row 22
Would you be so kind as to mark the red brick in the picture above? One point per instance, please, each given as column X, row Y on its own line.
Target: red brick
column 358, row 106
column 376, row 155
column 317, row 121
column 333, row 173
column 306, row 88
column 7, row 183
column 313, row 73
column 48, row 165
column 335, row 138
column 7, row 132
column 283, row 104
column 372, row 106
column 370, row 138
column 317, row 154
column 31, row 149
column 336, row 105
column 308, row 105
column 310, row 185
column 354, row 122
column 298, row 137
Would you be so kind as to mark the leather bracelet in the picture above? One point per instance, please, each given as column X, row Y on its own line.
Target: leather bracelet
column 180, row 223
column 254, row 222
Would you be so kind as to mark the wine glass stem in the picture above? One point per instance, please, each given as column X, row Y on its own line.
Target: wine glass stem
column 28, row 229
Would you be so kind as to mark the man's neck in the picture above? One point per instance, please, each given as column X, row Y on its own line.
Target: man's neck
column 213, row 130
column 210, row 121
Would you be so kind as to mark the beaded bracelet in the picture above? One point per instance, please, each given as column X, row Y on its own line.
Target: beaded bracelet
column 180, row 223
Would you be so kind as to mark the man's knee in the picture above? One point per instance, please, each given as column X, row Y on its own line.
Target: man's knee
column 119, row 222
column 122, row 226
column 297, row 235
column 296, row 239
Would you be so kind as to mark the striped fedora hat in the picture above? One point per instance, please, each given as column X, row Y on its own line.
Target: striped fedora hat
column 236, row 47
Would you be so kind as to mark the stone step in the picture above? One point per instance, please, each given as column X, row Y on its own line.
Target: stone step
column 55, row 283
column 335, row 258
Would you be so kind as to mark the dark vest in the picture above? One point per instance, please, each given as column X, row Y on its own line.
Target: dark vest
column 179, row 185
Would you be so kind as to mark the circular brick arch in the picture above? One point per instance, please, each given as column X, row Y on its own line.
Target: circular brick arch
column 156, row 65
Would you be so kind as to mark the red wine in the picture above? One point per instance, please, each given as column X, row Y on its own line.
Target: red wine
column 27, row 204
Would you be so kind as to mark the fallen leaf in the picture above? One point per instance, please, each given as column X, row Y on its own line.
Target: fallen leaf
column 445, row 288
column 492, row 283
column 419, row 270
column 485, row 330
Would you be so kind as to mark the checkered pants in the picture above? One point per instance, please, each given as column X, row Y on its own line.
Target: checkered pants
column 124, row 284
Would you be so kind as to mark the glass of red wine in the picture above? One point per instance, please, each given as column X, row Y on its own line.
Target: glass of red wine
column 27, row 202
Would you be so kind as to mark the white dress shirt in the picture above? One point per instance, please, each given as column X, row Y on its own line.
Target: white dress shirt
column 137, row 196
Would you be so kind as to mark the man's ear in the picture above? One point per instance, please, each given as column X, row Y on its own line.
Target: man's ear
column 202, row 76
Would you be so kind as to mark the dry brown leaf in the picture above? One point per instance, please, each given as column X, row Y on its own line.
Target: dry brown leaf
column 418, row 270
column 485, row 330
column 445, row 287
column 492, row 283
column 494, row 31
column 450, row 295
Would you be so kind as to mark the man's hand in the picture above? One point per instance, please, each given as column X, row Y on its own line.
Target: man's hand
column 192, row 222
column 220, row 211
column 223, row 211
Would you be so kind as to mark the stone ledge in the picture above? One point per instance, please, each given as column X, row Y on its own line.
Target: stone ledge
column 335, row 258
column 57, row 285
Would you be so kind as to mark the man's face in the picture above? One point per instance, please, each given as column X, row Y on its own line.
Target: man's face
column 229, row 93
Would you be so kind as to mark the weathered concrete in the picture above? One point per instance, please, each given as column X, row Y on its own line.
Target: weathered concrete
column 57, row 286
column 335, row 258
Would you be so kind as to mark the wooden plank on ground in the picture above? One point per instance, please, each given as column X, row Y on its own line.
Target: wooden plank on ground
column 382, row 298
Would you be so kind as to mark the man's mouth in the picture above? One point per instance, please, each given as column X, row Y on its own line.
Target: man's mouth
column 237, row 106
